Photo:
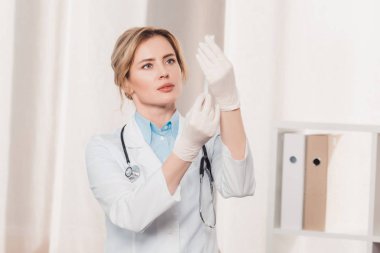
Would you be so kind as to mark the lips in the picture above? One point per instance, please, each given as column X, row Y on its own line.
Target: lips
column 167, row 87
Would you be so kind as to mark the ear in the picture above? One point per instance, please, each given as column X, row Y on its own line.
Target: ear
column 127, row 89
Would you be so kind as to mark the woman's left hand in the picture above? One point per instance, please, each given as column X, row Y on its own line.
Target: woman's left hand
column 219, row 73
column 201, row 124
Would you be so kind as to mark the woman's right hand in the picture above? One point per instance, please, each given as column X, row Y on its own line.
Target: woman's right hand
column 202, row 122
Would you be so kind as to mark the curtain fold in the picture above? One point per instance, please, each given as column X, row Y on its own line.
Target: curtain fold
column 34, row 116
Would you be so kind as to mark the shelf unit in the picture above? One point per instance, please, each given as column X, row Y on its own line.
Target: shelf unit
column 365, row 237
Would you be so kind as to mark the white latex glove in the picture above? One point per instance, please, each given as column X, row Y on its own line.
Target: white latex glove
column 201, row 124
column 219, row 73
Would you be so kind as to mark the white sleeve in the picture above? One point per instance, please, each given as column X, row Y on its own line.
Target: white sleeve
column 233, row 178
column 131, row 206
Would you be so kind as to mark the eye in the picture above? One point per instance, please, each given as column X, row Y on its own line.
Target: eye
column 147, row 66
column 171, row 61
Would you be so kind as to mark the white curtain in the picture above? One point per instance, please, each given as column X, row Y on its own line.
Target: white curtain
column 56, row 91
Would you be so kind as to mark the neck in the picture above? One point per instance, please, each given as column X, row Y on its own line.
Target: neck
column 158, row 115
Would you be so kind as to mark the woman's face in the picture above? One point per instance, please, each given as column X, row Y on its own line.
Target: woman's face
column 155, row 77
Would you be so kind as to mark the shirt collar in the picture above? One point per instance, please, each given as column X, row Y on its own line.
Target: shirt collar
column 147, row 127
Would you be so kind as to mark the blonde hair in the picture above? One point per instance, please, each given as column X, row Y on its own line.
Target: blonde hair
column 125, row 48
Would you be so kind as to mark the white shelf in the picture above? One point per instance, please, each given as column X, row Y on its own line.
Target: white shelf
column 297, row 126
column 368, row 232
column 279, row 231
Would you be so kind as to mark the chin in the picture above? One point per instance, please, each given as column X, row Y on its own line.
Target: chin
column 161, row 100
column 168, row 103
column 170, row 98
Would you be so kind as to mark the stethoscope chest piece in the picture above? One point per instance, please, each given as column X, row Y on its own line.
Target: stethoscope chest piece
column 132, row 172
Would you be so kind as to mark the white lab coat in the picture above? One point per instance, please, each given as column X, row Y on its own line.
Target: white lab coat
column 142, row 216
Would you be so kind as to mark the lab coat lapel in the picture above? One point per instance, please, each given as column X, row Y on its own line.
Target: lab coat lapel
column 140, row 152
column 132, row 134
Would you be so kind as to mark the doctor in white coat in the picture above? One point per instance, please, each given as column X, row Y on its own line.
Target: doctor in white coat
column 146, row 175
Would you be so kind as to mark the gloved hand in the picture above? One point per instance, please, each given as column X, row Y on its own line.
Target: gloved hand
column 219, row 73
column 201, row 124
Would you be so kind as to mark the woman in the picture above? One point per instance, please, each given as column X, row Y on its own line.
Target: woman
column 146, row 176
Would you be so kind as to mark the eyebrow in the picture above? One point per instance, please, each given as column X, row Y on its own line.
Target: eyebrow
column 152, row 59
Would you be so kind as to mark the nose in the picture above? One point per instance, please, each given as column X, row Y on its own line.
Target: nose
column 164, row 73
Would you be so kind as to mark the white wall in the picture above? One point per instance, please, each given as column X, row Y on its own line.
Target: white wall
column 328, row 70
column 329, row 61
column 249, row 43
column 298, row 61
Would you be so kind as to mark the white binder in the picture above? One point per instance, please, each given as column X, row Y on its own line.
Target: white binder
column 293, row 172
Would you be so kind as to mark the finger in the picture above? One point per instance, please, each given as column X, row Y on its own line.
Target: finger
column 205, row 58
column 197, row 106
column 207, row 106
column 212, row 110
column 212, row 98
column 216, row 116
column 201, row 63
column 206, row 49
column 211, row 115
column 216, row 50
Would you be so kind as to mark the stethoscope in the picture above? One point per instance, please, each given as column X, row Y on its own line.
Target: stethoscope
column 132, row 172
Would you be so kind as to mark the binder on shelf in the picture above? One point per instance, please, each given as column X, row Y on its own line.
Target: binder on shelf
column 315, row 182
column 293, row 173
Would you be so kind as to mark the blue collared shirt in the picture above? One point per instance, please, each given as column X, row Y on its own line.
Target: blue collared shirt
column 161, row 140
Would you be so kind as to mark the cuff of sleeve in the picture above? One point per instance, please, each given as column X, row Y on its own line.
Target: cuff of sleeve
column 136, row 210
column 227, row 153
column 237, row 178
